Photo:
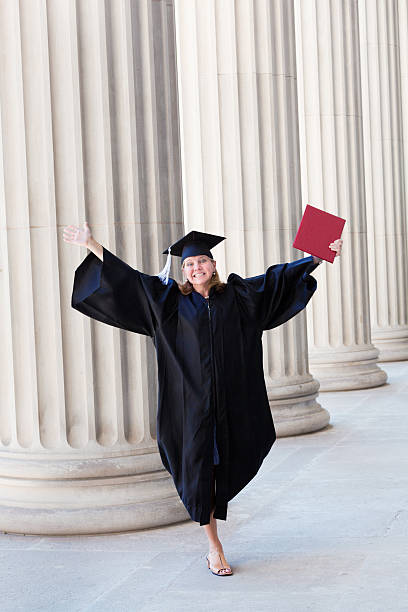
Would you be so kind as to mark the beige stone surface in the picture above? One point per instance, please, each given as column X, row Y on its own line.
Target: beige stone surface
column 322, row 527
column 403, row 53
column 384, row 98
column 88, row 132
column 240, row 164
column 150, row 117
column 341, row 354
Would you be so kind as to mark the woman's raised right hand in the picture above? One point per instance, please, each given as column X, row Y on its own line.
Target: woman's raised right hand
column 78, row 235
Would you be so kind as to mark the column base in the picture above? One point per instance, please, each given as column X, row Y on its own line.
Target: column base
column 74, row 502
column 391, row 343
column 294, row 407
column 347, row 369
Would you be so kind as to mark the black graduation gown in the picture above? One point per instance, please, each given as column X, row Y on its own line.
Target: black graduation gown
column 210, row 370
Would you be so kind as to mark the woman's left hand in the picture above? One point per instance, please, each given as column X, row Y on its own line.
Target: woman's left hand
column 336, row 246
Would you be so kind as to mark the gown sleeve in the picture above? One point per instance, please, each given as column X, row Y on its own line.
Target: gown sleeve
column 278, row 295
column 113, row 292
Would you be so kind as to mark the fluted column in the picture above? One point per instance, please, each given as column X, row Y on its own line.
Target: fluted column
column 403, row 64
column 383, row 67
column 88, row 131
column 341, row 353
column 240, row 165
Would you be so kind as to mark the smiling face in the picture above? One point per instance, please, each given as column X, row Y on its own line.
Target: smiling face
column 199, row 269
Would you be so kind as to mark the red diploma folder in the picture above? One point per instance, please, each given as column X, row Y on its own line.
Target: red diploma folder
column 317, row 230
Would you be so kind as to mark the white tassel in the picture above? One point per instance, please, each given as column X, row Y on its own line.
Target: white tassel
column 164, row 274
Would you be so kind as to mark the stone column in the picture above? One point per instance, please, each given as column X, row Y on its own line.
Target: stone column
column 382, row 68
column 240, row 165
column 403, row 64
column 89, row 131
column 330, row 117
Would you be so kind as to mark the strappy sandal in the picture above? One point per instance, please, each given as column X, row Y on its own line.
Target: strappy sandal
column 222, row 571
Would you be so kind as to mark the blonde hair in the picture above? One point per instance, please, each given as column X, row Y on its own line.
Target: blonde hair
column 186, row 288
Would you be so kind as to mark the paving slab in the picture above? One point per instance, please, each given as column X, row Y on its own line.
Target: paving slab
column 322, row 527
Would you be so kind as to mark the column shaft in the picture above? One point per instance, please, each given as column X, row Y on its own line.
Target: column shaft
column 330, row 116
column 403, row 65
column 240, row 163
column 89, row 132
column 383, row 67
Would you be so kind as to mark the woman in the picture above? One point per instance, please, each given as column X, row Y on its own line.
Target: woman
column 214, row 423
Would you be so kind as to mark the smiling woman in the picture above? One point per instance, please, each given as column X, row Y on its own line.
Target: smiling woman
column 214, row 423
column 200, row 274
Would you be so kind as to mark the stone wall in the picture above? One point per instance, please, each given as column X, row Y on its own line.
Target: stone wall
column 149, row 118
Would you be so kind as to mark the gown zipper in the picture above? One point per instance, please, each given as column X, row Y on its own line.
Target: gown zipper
column 214, row 392
column 213, row 381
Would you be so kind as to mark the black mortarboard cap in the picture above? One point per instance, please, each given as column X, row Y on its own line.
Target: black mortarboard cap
column 193, row 243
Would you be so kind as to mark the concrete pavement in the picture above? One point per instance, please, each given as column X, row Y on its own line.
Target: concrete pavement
column 322, row 527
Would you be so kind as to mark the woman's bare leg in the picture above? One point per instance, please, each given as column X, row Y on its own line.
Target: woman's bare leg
column 212, row 535
column 216, row 553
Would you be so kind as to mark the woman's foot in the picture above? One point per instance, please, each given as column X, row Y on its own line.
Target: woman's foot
column 217, row 563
